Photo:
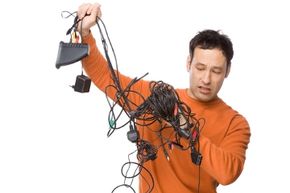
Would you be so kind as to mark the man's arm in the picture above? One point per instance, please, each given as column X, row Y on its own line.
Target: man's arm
column 225, row 162
column 97, row 67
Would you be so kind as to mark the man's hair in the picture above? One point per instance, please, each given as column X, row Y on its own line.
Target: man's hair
column 210, row 39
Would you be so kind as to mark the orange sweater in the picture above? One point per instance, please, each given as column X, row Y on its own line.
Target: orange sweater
column 223, row 140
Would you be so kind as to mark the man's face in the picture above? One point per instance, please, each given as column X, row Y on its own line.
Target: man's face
column 207, row 71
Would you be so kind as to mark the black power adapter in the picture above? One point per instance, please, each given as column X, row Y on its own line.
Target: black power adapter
column 82, row 84
column 196, row 157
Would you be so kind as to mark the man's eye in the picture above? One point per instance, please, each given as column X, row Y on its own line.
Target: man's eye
column 217, row 71
column 200, row 68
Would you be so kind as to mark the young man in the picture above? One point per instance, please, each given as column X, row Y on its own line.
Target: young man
column 225, row 134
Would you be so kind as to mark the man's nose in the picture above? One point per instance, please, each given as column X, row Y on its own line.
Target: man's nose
column 206, row 77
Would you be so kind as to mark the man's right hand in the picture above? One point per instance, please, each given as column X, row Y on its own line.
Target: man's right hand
column 89, row 13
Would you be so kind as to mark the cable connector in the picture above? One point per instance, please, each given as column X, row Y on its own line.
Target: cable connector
column 184, row 133
column 196, row 157
column 133, row 134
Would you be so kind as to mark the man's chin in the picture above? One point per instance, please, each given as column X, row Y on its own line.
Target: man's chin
column 205, row 98
column 202, row 97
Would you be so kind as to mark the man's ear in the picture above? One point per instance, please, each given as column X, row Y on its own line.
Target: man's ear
column 188, row 63
column 228, row 71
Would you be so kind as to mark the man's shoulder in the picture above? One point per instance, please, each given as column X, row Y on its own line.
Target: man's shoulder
column 235, row 114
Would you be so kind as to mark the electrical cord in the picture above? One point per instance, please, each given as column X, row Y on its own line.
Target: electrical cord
column 162, row 106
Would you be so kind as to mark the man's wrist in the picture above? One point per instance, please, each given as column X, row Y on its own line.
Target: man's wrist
column 85, row 33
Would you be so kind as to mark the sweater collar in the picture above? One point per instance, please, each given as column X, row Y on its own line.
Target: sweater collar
column 191, row 100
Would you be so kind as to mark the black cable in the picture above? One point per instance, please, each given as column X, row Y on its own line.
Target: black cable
column 163, row 105
column 124, row 185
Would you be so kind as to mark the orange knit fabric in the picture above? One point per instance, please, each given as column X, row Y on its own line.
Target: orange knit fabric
column 223, row 140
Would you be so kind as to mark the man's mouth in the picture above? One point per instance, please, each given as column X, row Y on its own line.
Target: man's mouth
column 204, row 90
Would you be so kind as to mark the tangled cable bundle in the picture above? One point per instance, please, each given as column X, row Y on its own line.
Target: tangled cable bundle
column 162, row 101
column 163, row 106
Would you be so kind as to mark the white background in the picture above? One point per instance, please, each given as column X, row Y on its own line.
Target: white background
column 54, row 140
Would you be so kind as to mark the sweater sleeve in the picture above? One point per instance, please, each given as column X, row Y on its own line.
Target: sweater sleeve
column 96, row 67
column 225, row 162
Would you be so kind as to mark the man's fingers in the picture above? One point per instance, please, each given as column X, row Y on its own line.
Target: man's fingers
column 82, row 11
column 96, row 11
